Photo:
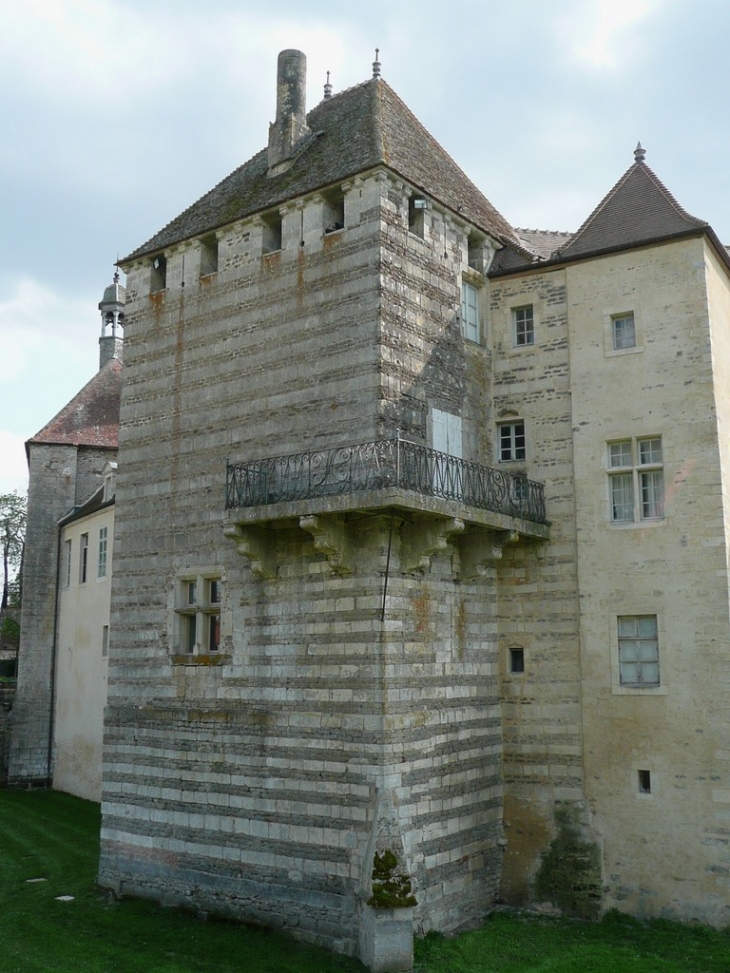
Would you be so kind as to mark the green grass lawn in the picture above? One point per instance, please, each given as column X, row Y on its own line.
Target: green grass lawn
column 54, row 837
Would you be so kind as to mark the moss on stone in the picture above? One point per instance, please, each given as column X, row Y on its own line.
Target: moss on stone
column 570, row 872
column 391, row 889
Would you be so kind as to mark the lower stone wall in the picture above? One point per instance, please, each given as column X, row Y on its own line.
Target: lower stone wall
column 264, row 787
column 7, row 697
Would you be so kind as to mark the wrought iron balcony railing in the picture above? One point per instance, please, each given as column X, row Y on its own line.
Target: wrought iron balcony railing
column 380, row 465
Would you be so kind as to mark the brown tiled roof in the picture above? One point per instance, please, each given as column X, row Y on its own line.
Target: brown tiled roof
column 639, row 209
column 91, row 418
column 352, row 132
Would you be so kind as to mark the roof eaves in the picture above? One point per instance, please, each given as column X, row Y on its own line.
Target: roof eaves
column 561, row 259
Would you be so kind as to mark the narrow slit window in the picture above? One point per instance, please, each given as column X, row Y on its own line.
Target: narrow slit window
column 644, row 781
column 517, row 660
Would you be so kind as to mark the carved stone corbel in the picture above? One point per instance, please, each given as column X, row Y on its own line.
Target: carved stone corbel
column 331, row 539
column 257, row 545
column 479, row 551
column 425, row 537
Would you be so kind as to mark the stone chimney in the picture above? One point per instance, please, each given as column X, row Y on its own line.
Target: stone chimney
column 112, row 322
column 290, row 127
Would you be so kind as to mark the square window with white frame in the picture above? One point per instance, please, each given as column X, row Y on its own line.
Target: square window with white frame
column 198, row 612
column 523, row 326
column 636, row 480
column 470, row 311
column 511, row 441
column 638, row 650
column 623, row 331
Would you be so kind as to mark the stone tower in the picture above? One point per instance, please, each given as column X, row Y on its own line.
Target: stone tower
column 66, row 460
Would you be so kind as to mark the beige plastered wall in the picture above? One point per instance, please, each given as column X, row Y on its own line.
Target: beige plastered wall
column 664, row 853
column 80, row 664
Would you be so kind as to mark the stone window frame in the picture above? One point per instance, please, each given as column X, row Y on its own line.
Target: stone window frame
column 610, row 317
column 637, row 608
column 637, row 634
column 202, row 608
column 198, row 607
column 513, row 448
column 470, row 322
column 635, row 468
column 523, row 328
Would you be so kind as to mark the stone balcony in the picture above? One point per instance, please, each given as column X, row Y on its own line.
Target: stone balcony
column 436, row 496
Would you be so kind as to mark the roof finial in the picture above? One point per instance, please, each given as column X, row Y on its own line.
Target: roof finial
column 376, row 63
column 639, row 153
column 328, row 87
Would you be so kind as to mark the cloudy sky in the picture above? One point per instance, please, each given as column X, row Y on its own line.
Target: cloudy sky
column 117, row 114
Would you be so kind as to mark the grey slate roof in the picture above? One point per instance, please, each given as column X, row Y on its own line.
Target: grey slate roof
column 95, row 502
column 543, row 243
column 352, row 132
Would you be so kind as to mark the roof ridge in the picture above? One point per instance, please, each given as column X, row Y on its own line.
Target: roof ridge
column 671, row 197
column 527, row 229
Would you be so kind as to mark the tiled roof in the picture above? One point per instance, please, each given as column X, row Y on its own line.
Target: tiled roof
column 639, row 209
column 352, row 132
column 543, row 243
column 91, row 418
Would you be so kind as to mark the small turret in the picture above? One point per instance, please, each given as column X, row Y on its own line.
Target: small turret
column 290, row 127
column 112, row 321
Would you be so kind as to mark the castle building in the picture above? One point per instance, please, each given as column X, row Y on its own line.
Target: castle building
column 420, row 595
column 56, row 721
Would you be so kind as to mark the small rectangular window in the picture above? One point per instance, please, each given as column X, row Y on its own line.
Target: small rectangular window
column 638, row 650
column 158, row 276
column 208, row 255
column 272, row 232
column 104, row 641
column 333, row 210
column 101, row 563
column 66, row 563
column 644, row 781
column 417, row 206
column 511, row 441
column 523, row 323
column 517, row 660
column 624, row 331
column 470, row 311
column 83, row 558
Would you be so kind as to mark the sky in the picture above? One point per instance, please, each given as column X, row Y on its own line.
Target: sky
column 115, row 115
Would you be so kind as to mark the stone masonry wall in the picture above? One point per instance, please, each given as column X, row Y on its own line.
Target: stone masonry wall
column 538, row 602
column 333, row 724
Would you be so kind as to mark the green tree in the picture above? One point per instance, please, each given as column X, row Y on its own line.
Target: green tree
column 13, row 509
